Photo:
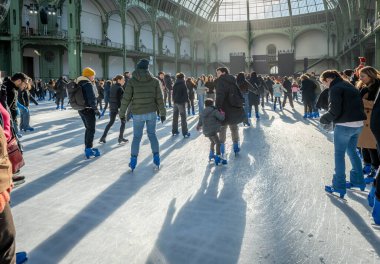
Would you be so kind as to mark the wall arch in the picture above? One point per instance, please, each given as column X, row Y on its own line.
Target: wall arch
column 129, row 31
column 91, row 20
column 305, row 45
column 261, row 43
column 229, row 45
column 168, row 43
column 115, row 29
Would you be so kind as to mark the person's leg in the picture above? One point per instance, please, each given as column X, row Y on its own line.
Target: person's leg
column 222, row 134
column 262, row 100
column 201, row 103
column 182, row 111
column 22, row 119
column 110, row 124
column 279, row 102
column 27, row 119
column 188, row 107
column 89, row 121
column 138, row 126
column 7, row 237
column 256, row 109
column 375, row 162
column 234, row 133
column 285, row 97
column 170, row 98
column 122, row 128
column 175, row 119
column 192, row 107
column 217, row 144
column 291, row 100
column 165, row 97
column 356, row 173
column 341, row 139
column 212, row 145
column 151, row 131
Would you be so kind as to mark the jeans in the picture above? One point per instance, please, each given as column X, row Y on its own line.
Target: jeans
column 138, row 126
column 24, row 119
column 190, row 104
column 89, row 121
column 58, row 101
column 246, row 104
column 179, row 109
column 308, row 106
column 290, row 96
column 234, row 133
column 215, row 142
column 7, row 237
column 201, row 103
column 113, row 115
column 346, row 139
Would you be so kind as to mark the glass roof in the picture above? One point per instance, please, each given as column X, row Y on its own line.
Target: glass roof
column 238, row 10
column 202, row 8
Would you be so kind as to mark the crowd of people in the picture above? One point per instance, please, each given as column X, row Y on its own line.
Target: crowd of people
column 349, row 99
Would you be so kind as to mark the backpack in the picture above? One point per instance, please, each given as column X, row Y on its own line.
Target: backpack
column 235, row 98
column 75, row 94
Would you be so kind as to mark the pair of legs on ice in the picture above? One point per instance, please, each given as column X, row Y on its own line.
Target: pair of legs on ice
column 121, row 139
column 217, row 145
column 180, row 110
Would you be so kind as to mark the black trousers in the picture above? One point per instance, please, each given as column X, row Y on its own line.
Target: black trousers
column 215, row 142
column 286, row 96
column 179, row 110
column 89, row 121
column 99, row 102
column 271, row 95
column 7, row 237
column 113, row 115
column 376, row 133
column 308, row 106
column 275, row 101
column 370, row 156
column 58, row 101
column 190, row 103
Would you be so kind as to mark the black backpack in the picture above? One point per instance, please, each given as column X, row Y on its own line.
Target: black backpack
column 75, row 94
column 235, row 98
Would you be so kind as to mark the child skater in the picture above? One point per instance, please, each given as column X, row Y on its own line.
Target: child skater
column 277, row 93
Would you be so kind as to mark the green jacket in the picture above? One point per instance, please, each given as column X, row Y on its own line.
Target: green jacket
column 144, row 94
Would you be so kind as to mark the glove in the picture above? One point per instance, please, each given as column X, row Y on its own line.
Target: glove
column 97, row 113
column 163, row 118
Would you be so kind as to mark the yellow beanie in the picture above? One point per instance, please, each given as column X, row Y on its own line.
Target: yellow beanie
column 88, row 72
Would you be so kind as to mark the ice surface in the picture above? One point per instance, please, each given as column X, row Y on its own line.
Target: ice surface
column 267, row 205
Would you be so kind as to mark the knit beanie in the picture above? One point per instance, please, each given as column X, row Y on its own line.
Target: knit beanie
column 88, row 72
column 143, row 64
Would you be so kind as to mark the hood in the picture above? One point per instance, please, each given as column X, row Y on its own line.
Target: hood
column 142, row 75
column 82, row 78
column 208, row 111
column 228, row 78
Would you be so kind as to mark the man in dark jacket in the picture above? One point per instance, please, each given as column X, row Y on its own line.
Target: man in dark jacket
column 346, row 111
column 86, row 83
column 60, row 92
column 144, row 97
column 116, row 94
column 9, row 95
column 180, row 98
column 308, row 91
column 288, row 94
column 225, row 84
column 169, row 87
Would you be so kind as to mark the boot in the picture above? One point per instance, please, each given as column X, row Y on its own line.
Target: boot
column 96, row 152
column 211, row 155
column 217, row 160
column 186, row 135
column 193, row 112
column 371, row 196
column 330, row 189
column 122, row 140
column 305, row 116
column 102, row 140
column 88, row 153
column 156, row 159
column 133, row 162
column 350, row 185
column 376, row 211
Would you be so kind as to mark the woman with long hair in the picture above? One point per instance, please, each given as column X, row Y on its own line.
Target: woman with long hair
column 190, row 89
column 201, row 92
column 210, row 84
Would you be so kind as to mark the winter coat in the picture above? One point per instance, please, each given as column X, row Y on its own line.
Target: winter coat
column 269, row 83
column 211, row 87
column 278, row 89
column 6, row 166
column 190, row 90
column 168, row 82
column 323, row 100
column 308, row 88
column 100, row 91
column 88, row 92
column 9, row 96
column 259, row 83
column 253, row 92
column 144, row 94
column 210, row 121
column 201, row 88
column 107, row 89
column 234, row 115
column 116, row 94
column 345, row 104
column 180, row 92
column 366, row 138
column 288, row 86
column 295, row 88
column 60, row 88
column 318, row 89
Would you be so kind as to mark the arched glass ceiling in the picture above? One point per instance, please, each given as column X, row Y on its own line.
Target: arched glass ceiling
column 238, row 10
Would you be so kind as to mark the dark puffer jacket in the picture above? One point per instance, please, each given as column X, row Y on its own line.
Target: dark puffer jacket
column 180, row 93
column 168, row 82
column 116, row 94
column 144, row 94
column 60, row 88
column 234, row 115
column 375, row 115
column 308, row 88
column 346, row 105
column 210, row 121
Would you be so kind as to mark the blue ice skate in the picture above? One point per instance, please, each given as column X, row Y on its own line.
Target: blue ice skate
column 133, row 162
column 371, row 196
column 371, row 177
column 95, row 152
column 217, row 160
column 305, row 116
column 376, row 211
column 21, row 257
column 156, row 159
column 88, row 153
column 331, row 190
column 350, row 185
column 211, row 155
column 367, row 168
column 236, row 148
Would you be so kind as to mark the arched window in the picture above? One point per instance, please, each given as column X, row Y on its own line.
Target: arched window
column 271, row 50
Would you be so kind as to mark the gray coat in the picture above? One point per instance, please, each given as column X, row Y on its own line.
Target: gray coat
column 211, row 121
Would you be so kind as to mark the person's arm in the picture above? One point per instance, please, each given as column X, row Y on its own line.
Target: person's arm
column 220, row 95
column 160, row 102
column 33, row 99
column 126, row 100
column 335, row 106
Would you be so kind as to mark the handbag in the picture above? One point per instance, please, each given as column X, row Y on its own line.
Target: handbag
column 15, row 152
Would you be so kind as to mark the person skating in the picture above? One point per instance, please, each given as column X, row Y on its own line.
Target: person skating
column 143, row 94
column 287, row 84
column 234, row 114
column 210, row 122
column 169, row 88
column 346, row 111
column 190, row 84
column 180, row 98
column 90, row 112
column 116, row 94
column 277, row 93
column 308, row 88
column 60, row 93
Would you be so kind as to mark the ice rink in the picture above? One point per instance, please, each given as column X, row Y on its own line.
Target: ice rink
column 267, row 205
